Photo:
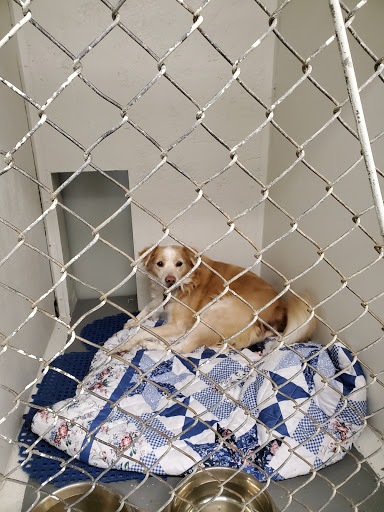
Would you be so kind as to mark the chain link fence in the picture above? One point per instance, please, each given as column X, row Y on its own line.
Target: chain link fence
column 241, row 125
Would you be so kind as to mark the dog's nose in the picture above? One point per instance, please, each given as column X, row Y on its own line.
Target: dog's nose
column 170, row 279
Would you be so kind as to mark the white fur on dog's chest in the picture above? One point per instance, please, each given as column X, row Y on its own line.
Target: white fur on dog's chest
column 158, row 296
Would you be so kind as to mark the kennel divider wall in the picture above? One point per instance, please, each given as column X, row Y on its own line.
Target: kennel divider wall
column 19, row 200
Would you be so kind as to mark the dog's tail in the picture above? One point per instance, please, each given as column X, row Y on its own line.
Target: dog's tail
column 300, row 322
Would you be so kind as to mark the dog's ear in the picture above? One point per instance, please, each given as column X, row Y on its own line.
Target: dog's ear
column 189, row 255
column 146, row 258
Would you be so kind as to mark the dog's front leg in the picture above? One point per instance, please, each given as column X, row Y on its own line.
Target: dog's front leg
column 134, row 321
column 147, row 310
column 152, row 339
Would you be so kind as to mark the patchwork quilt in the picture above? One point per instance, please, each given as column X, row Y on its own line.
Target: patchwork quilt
column 272, row 416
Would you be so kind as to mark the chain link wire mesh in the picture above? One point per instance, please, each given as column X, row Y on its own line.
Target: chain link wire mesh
column 339, row 129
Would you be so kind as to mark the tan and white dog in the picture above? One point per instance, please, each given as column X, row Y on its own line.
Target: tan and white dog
column 229, row 318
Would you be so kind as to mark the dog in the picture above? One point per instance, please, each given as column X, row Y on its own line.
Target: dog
column 194, row 318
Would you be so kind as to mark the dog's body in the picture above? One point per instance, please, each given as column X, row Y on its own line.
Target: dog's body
column 230, row 318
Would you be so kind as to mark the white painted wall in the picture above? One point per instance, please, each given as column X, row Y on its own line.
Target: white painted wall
column 26, row 271
column 331, row 153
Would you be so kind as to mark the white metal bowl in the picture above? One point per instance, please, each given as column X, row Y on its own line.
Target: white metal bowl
column 101, row 499
column 242, row 493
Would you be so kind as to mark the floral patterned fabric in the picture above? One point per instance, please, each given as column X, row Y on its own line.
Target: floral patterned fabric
column 167, row 412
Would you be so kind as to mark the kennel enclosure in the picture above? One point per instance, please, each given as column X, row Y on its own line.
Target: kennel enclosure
column 232, row 127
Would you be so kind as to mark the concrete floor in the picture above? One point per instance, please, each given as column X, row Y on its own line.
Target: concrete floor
column 152, row 494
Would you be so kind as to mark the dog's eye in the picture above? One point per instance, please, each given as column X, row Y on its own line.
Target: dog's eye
column 179, row 263
column 159, row 263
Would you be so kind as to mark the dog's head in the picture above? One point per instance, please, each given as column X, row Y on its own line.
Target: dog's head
column 169, row 263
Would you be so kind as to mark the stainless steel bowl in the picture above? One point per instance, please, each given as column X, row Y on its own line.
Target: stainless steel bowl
column 101, row 499
column 203, row 490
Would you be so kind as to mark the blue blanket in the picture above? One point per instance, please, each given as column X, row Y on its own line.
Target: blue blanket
column 272, row 416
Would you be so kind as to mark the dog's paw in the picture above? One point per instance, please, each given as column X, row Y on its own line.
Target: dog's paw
column 130, row 323
column 152, row 345
column 118, row 351
column 272, row 346
column 124, row 347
